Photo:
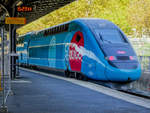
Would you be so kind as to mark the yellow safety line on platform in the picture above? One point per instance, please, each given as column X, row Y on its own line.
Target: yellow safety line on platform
column 1, row 89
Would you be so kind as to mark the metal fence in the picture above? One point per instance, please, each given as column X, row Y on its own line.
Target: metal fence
column 141, row 86
column 145, row 63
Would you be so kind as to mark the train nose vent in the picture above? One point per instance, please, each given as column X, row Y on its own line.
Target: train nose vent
column 123, row 58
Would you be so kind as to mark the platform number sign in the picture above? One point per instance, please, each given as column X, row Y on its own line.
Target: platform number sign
column 15, row 20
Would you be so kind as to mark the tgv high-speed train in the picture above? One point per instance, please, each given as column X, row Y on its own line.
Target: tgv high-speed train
column 92, row 48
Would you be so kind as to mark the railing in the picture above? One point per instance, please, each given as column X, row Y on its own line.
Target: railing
column 141, row 86
column 145, row 63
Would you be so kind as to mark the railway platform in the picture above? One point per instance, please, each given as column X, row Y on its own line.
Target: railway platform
column 36, row 92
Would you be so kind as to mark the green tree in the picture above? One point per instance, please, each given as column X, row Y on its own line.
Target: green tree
column 126, row 14
column 139, row 16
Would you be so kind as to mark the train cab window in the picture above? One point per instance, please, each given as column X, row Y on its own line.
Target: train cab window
column 78, row 38
column 110, row 36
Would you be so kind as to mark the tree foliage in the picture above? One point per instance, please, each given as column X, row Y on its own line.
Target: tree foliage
column 127, row 14
column 139, row 16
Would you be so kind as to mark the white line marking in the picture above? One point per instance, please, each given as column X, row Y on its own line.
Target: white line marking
column 20, row 81
column 114, row 93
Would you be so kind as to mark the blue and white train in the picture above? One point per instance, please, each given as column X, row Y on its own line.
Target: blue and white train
column 91, row 48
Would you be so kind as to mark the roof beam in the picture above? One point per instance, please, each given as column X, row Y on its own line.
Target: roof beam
column 40, row 8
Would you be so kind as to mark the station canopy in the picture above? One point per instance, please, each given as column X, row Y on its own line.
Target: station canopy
column 39, row 8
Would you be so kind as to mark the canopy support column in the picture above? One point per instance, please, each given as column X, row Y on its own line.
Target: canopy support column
column 12, row 34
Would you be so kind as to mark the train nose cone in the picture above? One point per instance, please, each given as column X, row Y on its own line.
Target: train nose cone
column 123, row 75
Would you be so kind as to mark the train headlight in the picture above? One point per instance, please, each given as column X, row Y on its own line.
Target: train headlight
column 133, row 57
column 110, row 58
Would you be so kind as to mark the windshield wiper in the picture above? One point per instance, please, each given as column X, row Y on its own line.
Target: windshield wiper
column 104, row 39
column 108, row 41
column 100, row 37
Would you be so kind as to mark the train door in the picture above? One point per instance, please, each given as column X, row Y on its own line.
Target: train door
column 25, row 52
column 28, row 52
column 52, row 52
column 66, row 48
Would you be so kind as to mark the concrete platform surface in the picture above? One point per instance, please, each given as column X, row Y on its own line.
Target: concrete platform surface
column 36, row 93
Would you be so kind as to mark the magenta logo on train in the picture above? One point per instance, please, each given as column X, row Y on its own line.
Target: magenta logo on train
column 75, row 56
column 121, row 52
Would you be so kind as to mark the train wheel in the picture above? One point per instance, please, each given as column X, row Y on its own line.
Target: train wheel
column 77, row 75
column 67, row 73
column 85, row 78
column 80, row 77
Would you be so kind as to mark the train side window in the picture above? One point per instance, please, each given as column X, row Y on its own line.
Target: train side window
column 78, row 38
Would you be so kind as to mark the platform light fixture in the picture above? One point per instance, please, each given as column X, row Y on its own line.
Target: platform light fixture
column 19, row 3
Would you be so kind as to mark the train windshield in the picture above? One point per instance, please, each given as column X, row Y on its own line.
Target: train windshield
column 110, row 36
